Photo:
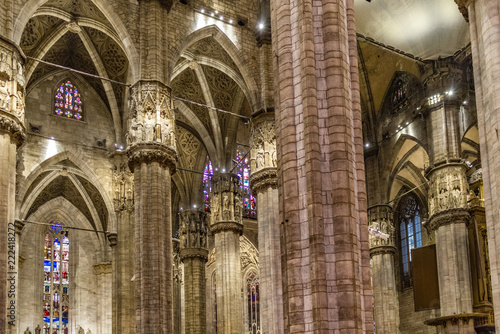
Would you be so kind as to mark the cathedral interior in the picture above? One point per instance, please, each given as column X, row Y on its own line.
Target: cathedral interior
column 249, row 166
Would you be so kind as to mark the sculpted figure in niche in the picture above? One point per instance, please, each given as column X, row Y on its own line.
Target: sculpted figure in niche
column 443, row 199
column 27, row 331
column 38, row 330
column 164, row 133
column 149, row 128
column 20, row 105
column 272, row 153
column 260, row 159
column 4, row 95
column 215, row 208
column 81, row 331
column 157, row 131
column 226, row 211
column 140, row 132
column 193, row 235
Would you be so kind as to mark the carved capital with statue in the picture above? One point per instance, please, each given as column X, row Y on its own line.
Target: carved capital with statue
column 151, row 116
column 381, row 226
column 193, row 231
column 226, row 199
column 448, row 188
column 450, row 216
column 12, row 84
column 263, row 179
column 263, row 143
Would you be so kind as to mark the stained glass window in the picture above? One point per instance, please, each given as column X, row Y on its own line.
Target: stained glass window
column 410, row 231
column 56, row 280
column 68, row 102
column 249, row 204
column 207, row 185
column 253, row 307
column 399, row 97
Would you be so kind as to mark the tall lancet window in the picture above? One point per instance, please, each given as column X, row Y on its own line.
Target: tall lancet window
column 68, row 102
column 253, row 307
column 410, row 231
column 249, row 204
column 56, row 280
column 207, row 185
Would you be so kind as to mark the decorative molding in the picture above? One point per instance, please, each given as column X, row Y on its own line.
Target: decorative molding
column 454, row 320
column 112, row 238
column 152, row 152
column 263, row 142
column 223, row 226
column 11, row 124
column 193, row 230
column 190, row 253
column 381, row 250
column 451, row 216
column 448, row 187
column 103, row 268
column 263, row 179
column 381, row 219
column 226, row 198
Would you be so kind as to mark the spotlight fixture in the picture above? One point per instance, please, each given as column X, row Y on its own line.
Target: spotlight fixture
column 261, row 26
column 202, row 10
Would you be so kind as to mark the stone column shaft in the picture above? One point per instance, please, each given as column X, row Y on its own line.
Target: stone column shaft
column 194, row 254
column 226, row 227
column 382, row 250
column 152, row 158
column 264, row 183
column 484, row 22
column 12, row 135
column 321, row 171
column 105, row 284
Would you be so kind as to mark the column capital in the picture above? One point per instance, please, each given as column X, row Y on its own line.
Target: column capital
column 450, row 216
column 380, row 218
column 463, row 6
column 222, row 226
column 152, row 152
column 193, row 230
column 381, row 250
column 112, row 238
column 190, row 253
column 226, row 198
column 263, row 142
column 448, row 187
column 263, row 179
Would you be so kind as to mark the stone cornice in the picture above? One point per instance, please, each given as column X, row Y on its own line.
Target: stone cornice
column 462, row 7
column 10, row 124
column 450, row 216
column 263, row 179
column 381, row 250
column 112, row 238
column 189, row 253
column 222, row 226
column 152, row 152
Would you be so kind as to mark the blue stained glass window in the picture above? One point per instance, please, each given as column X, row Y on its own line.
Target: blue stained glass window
column 410, row 234
column 249, row 203
column 68, row 101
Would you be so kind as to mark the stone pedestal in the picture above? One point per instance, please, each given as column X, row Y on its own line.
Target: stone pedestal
column 382, row 250
column 194, row 255
column 264, row 183
column 152, row 159
column 226, row 227
column 12, row 135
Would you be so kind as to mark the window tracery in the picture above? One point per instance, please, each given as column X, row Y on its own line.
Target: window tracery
column 253, row 303
column 410, row 229
column 399, row 95
column 68, row 101
column 56, row 280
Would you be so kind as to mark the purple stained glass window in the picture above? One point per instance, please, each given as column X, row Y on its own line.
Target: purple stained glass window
column 249, row 204
column 56, row 280
column 207, row 185
column 68, row 101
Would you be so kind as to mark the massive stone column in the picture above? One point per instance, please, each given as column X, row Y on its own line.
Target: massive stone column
column 448, row 190
column 226, row 227
column 120, row 241
column 264, row 183
column 152, row 159
column 12, row 135
column 321, row 172
column 382, row 250
column 484, row 22
column 194, row 255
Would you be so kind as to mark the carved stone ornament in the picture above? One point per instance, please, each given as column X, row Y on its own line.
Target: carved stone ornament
column 112, row 238
column 226, row 198
column 381, row 250
column 448, row 188
column 193, row 230
column 152, row 152
column 103, row 268
column 451, row 216
column 226, row 226
column 151, row 114
column 380, row 219
column 263, row 179
column 248, row 253
column 263, row 143
column 11, row 124
column 123, row 186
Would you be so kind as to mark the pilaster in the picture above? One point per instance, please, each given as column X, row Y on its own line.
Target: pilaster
column 152, row 158
column 104, row 282
column 12, row 135
column 226, row 227
column 264, row 183
column 194, row 255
